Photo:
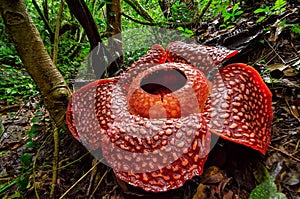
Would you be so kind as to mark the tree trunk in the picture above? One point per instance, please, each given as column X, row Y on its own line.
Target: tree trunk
column 80, row 10
column 36, row 60
column 114, row 28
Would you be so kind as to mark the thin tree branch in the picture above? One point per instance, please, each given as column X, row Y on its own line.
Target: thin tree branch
column 46, row 9
column 114, row 28
column 165, row 7
column 171, row 24
column 204, row 9
column 55, row 159
column 139, row 9
column 43, row 19
column 80, row 10
column 161, row 24
column 55, row 130
column 141, row 22
column 56, row 35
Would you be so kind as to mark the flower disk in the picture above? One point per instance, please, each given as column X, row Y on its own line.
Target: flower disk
column 170, row 90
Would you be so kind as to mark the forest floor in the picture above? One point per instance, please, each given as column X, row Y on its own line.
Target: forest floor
column 27, row 145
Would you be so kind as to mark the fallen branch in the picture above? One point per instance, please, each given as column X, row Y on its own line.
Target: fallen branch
column 285, row 153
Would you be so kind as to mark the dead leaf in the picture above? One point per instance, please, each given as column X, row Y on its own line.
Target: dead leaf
column 290, row 72
column 277, row 66
column 200, row 194
column 212, row 175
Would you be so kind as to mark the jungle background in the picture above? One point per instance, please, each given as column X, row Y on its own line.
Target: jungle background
column 38, row 156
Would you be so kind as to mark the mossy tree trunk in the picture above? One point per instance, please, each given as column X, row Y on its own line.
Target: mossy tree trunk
column 36, row 60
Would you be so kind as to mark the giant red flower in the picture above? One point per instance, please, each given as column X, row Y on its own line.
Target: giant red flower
column 153, row 123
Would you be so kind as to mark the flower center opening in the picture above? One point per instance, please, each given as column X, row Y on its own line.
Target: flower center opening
column 163, row 81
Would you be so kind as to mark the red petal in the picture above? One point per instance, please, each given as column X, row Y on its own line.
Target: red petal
column 81, row 108
column 165, row 157
column 203, row 57
column 81, row 114
column 240, row 107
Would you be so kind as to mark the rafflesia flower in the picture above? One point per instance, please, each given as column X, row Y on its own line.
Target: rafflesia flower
column 153, row 123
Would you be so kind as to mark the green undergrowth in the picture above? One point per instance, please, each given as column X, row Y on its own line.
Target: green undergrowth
column 15, row 84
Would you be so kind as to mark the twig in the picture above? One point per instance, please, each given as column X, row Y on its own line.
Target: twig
column 285, row 153
column 55, row 130
column 55, row 160
column 263, row 57
column 93, row 174
column 9, row 108
column 56, row 35
column 140, row 22
column 106, row 172
column 139, row 9
column 91, row 169
column 290, row 108
column 204, row 9
column 34, row 166
column 43, row 19
column 297, row 146
column 69, row 164
column 275, row 52
column 161, row 24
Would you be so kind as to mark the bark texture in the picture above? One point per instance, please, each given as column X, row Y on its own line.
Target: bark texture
column 36, row 60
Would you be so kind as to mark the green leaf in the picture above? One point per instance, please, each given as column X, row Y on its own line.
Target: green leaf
column 14, row 195
column 226, row 18
column 188, row 31
column 278, row 196
column 239, row 12
column 180, row 29
column 226, row 14
column 26, row 159
column 23, row 182
column 259, row 10
column 2, row 153
column 266, row 190
column 35, row 119
column 260, row 19
column 295, row 28
column 262, row 174
column 30, row 144
column 32, row 131
column 282, row 23
column 279, row 4
column 235, row 7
